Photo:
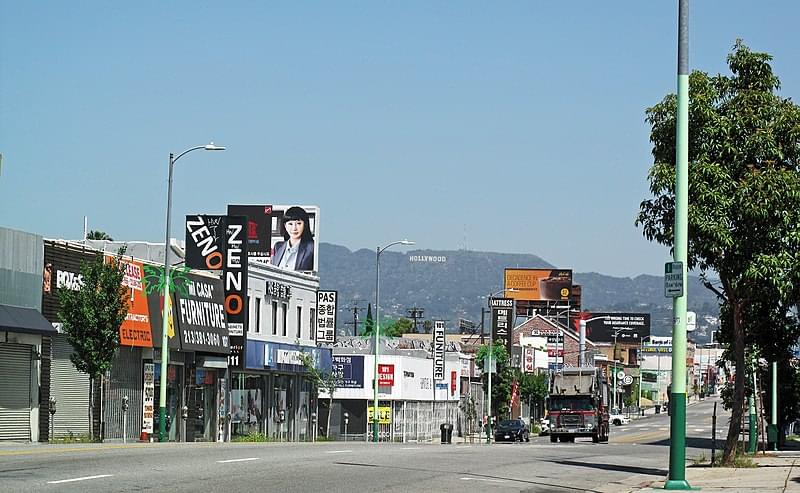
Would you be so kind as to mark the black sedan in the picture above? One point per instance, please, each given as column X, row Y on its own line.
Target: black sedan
column 511, row 430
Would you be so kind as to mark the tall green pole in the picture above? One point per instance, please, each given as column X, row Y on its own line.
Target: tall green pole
column 774, row 406
column 677, row 444
column 377, row 328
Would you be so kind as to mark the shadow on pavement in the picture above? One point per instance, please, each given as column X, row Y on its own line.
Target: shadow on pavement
column 614, row 467
column 691, row 442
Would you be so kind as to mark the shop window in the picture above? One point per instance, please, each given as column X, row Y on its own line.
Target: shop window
column 258, row 315
column 247, row 403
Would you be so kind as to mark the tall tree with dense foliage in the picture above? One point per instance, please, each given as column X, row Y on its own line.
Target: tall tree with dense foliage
column 369, row 323
column 744, row 198
column 325, row 381
column 502, row 380
column 91, row 317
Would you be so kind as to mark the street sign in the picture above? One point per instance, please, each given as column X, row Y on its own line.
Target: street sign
column 673, row 280
column 691, row 321
column 627, row 380
column 620, row 375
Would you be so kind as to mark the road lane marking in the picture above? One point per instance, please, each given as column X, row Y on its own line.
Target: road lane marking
column 484, row 479
column 237, row 460
column 412, row 448
column 80, row 479
column 338, row 451
column 700, row 429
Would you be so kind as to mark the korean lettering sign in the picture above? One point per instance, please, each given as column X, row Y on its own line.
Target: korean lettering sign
column 348, row 371
column 326, row 317
column 502, row 318
column 384, row 415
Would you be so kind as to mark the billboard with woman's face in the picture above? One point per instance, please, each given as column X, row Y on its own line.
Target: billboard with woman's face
column 294, row 237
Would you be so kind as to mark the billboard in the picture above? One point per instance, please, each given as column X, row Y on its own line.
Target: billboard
column 385, row 375
column 539, row 284
column 326, row 317
column 205, row 242
column 294, row 238
column 200, row 316
column 62, row 269
column 259, row 228
column 629, row 327
column 502, row 321
column 438, row 350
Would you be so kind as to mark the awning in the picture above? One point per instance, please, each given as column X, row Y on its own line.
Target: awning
column 28, row 320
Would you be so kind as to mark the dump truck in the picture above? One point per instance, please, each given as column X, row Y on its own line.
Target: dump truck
column 578, row 404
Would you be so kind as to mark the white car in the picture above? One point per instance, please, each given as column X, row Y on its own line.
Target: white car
column 618, row 419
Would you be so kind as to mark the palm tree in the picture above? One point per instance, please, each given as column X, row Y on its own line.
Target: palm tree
column 98, row 235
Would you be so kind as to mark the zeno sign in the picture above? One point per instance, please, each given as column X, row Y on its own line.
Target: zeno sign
column 438, row 350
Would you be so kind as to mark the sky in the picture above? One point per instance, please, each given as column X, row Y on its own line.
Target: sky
column 514, row 127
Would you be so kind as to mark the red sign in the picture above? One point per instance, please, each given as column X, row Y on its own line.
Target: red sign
column 453, row 382
column 385, row 375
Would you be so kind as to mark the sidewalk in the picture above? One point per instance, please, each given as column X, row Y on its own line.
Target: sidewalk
column 775, row 472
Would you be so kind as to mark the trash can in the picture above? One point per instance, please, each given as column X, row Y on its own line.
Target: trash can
column 772, row 435
column 446, row 430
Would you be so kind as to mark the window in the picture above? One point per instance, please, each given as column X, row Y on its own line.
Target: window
column 258, row 315
column 313, row 324
column 299, row 320
column 274, row 318
column 285, row 315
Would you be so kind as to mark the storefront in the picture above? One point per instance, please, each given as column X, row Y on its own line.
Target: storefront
column 197, row 364
column 272, row 396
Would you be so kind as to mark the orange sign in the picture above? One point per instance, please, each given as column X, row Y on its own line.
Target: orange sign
column 538, row 284
column 135, row 329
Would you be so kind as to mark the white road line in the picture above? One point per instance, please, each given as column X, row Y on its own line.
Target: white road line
column 484, row 479
column 236, row 460
column 700, row 429
column 664, row 428
column 338, row 451
column 412, row 448
column 80, row 479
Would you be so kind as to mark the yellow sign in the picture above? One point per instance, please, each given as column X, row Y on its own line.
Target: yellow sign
column 384, row 415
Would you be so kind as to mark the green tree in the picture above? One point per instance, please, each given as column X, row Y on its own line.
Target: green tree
column 91, row 317
column 392, row 328
column 98, row 235
column 744, row 199
column 320, row 381
column 369, row 323
column 502, row 380
column 533, row 388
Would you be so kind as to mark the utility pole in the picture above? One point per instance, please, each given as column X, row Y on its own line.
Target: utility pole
column 415, row 314
column 355, row 310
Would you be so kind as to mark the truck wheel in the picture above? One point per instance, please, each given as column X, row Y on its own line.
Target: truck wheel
column 553, row 438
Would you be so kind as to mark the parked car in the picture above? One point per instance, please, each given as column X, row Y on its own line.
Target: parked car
column 544, row 426
column 511, row 430
column 618, row 419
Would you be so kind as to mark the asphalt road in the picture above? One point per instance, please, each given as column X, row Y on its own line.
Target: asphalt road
column 636, row 455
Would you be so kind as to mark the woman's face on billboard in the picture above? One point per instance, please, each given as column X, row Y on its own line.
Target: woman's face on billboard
column 295, row 229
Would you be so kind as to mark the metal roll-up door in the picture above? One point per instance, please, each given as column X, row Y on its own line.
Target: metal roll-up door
column 71, row 391
column 15, row 392
column 125, row 380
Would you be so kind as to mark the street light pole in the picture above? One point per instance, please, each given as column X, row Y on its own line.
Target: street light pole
column 377, row 328
column 162, row 397
column 676, row 479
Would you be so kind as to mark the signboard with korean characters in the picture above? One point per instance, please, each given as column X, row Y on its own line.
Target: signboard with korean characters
column 326, row 317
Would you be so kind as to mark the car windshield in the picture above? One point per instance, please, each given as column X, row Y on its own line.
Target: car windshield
column 571, row 404
column 509, row 423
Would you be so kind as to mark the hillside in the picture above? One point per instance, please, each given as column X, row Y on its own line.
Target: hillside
column 457, row 288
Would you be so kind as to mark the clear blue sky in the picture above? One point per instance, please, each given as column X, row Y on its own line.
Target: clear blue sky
column 511, row 126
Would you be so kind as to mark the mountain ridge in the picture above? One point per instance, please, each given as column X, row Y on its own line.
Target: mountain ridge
column 457, row 287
